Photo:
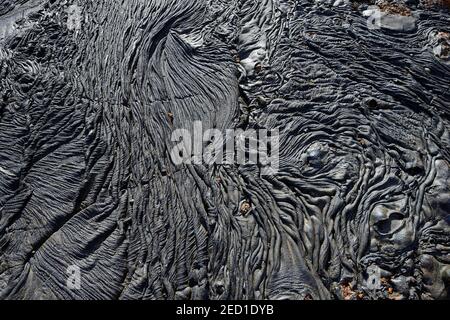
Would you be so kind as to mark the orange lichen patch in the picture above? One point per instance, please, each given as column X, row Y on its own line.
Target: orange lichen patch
column 443, row 34
column 245, row 207
column 396, row 296
column 442, row 48
column 390, row 290
column 347, row 291
column 444, row 3
column 396, row 8
column 362, row 142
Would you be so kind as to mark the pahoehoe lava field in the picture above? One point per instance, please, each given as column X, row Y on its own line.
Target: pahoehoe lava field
column 93, row 205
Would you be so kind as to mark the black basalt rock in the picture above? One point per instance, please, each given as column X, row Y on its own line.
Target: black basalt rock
column 94, row 206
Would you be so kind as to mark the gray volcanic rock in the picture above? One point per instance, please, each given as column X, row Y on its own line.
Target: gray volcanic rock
column 92, row 206
column 388, row 21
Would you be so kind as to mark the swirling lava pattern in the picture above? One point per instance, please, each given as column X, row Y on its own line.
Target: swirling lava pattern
column 86, row 115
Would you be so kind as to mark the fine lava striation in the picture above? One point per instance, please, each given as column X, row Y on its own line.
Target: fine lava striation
column 91, row 91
